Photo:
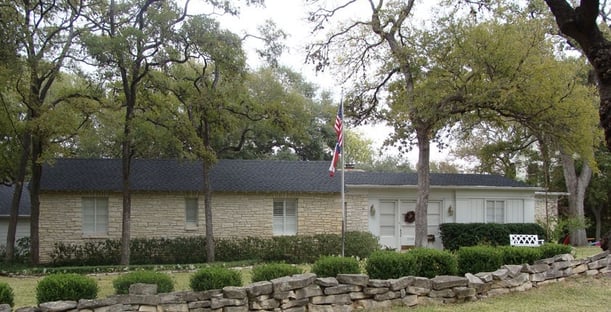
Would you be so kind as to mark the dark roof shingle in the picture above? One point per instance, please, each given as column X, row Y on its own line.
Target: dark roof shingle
column 6, row 198
column 235, row 176
column 186, row 175
column 437, row 179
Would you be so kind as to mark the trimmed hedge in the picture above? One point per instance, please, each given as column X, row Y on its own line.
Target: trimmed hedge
column 184, row 250
column 6, row 294
column 433, row 262
column 456, row 235
column 214, row 277
column 387, row 264
column 475, row 259
column 270, row 271
column 331, row 266
column 163, row 281
column 66, row 287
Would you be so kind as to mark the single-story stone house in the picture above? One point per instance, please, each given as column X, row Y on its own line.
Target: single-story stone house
column 81, row 200
column 23, row 217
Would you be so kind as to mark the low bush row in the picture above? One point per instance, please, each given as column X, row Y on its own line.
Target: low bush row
column 382, row 264
column 456, row 235
column 289, row 249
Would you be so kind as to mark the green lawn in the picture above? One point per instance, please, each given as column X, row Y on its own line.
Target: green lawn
column 578, row 292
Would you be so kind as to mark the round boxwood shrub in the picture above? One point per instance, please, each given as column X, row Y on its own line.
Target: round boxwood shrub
column 214, row 277
column 163, row 281
column 270, row 271
column 387, row 264
column 432, row 262
column 475, row 259
column 66, row 286
column 549, row 250
column 6, row 294
column 330, row 266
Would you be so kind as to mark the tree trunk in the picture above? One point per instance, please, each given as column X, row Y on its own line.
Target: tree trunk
column 126, row 159
column 576, row 186
column 16, row 201
column 422, row 200
column 580, row 24
column 210, row 247
column 597, row 212
column 35, row 200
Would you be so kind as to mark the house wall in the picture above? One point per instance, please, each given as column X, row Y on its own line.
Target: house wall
column 23, row 228
column 546, row 207
column 471, row 205
column 163, row 215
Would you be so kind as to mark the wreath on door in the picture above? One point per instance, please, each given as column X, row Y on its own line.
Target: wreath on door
column 410, row 217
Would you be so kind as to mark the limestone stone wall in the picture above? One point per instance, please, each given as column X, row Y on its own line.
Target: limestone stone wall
column 546, row 207
column 346, row 292
column 357, row 212
column 163, row 215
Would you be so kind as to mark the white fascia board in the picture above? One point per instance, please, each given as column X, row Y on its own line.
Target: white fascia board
column 442, row 187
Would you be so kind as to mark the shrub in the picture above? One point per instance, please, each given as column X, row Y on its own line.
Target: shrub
column 520, row 255
column 331, row 266
column 6, row 294
column 456, row 235
column 163, row 281
column 360, row 244
column 550, row 250
column 268, row 272
column 214, row 277
column 387, row 264
column 433, row 262
column 66, row 287
column 475, row 259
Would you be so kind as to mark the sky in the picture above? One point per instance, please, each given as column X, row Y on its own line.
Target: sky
column 290, row 16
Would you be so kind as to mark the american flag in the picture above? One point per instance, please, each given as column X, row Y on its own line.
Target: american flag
column 339, row 130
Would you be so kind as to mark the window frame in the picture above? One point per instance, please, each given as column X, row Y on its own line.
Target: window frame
column 100, row 217
column 498, row 211
column 287, row 220
column 191, row 224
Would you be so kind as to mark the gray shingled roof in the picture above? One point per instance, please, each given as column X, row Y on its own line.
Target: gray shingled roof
column 185, row 175
column 235, row 176
column 437, row 179
column 6, row 197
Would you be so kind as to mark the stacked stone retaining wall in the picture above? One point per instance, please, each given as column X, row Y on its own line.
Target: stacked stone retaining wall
column 346, row 292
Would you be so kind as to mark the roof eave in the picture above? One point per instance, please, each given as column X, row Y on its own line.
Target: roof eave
column 452, row 187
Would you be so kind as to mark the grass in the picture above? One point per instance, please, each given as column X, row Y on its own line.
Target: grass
column 573, row 294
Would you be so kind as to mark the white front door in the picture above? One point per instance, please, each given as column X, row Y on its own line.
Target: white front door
column 396, row 233
column 408, row 230
column 388, row 224
column 433, row 221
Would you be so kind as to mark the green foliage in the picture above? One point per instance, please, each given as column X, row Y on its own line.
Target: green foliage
column 520, row 255
column 182, row 250
column 214, row 277
column 550, row 250
column 6, row 294
column 270, row 271
column 163, row 281
column 360, row 244
column 456, row 235
column 66, row 287
column 331, row 266
column 475, row 259
column 386, row 264
column 433, row 262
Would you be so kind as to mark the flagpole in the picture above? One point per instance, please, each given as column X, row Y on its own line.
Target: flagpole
column 343, row 166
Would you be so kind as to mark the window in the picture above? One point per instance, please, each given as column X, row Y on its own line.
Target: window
column 285, row 217
column 495, row 211
column 191, row 208
column 95, row 215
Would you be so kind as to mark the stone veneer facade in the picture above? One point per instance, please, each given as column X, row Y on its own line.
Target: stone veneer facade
column 163, row 215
